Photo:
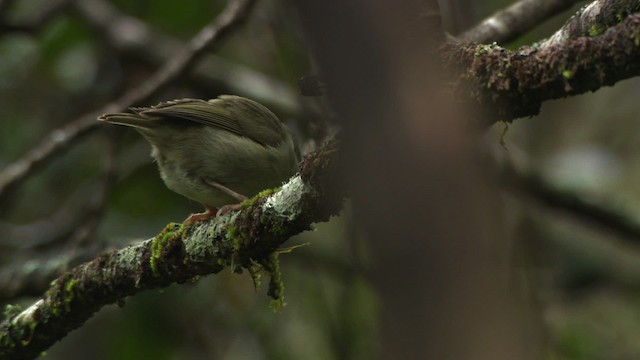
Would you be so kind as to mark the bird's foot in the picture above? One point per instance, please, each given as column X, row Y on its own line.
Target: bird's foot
column 194, row 218
column 228, row 208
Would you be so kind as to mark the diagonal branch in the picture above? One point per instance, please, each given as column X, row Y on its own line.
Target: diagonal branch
column 511, row 84
column 520, row 176
column 137, row 39
column 58, row 140
column 238, row 240
column 30, row 277
column 510, row 23
column 593, row 20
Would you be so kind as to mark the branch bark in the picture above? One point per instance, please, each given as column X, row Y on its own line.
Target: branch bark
column 508, row 84
column 592, row 20
column 510, row 23
column 239, row 240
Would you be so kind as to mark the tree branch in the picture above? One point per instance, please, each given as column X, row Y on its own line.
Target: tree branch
column 511, row 84
column 592, row 20
column 136, row 39
column 58, row 140
column 30, row 277
column 239, row 240
column 47, row 248
column 522, row 178
column 510, row 23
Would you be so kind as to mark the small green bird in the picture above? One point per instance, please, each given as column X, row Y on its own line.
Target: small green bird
column 216, row 152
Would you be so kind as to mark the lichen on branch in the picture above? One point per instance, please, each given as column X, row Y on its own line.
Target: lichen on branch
column 178, row 254
column 508, row 84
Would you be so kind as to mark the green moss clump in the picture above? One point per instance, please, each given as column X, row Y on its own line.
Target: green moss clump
column 276, row 285
column 170, row 233
column 483, row 49
column 232, row 233
column 568, row 74
column 256, row 263
column 635, row 35
column 236, row 241
column 262, row 194
column 69, row 286
column 11, row 311
column 69, row 293
column 596, row 29
column 64, row 293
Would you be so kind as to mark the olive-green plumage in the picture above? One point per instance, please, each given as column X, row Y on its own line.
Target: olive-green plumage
column 203, row 148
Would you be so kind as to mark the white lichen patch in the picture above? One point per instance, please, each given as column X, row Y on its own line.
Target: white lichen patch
column 286, row 202
column 29, row 313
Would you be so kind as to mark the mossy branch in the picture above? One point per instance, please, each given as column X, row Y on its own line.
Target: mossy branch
column 179, row 254
column 508, row 84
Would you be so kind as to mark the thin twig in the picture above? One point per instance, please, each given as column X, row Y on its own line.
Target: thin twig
column 592, row 211
column 58, row 140
column 67, row 245
column 136, row 39
column 85, row 232
column 31, row 277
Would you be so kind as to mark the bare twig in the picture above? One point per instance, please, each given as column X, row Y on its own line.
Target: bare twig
column 49, row 259
column 86, row 231
column 136, row 39
column 55, row 142
column 510, row 23
column 177, row 255
column 525, row 180
column 55, row 229
column 33, row 276
column 58, row 140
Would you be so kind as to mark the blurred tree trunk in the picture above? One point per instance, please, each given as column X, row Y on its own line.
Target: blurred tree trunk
column 420, row 191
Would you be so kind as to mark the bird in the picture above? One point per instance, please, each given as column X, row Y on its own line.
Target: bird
column 217, row 152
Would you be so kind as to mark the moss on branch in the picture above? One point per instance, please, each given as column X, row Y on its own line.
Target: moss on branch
column 508, row 84
column 247, row 239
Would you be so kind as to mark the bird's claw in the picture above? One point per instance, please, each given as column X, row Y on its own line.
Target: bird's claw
column 228, row 208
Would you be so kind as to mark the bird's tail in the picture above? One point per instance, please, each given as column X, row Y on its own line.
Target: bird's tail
column 127, row 119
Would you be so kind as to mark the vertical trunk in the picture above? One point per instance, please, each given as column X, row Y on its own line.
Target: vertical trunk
column 419, row 191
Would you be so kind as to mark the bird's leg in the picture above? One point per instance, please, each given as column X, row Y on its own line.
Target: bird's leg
column 230, row 207
column 229, row 192
column 211, row 212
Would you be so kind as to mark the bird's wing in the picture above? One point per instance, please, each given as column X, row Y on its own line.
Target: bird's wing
column 256, row 121
column 238, row 115
column 198, row 111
